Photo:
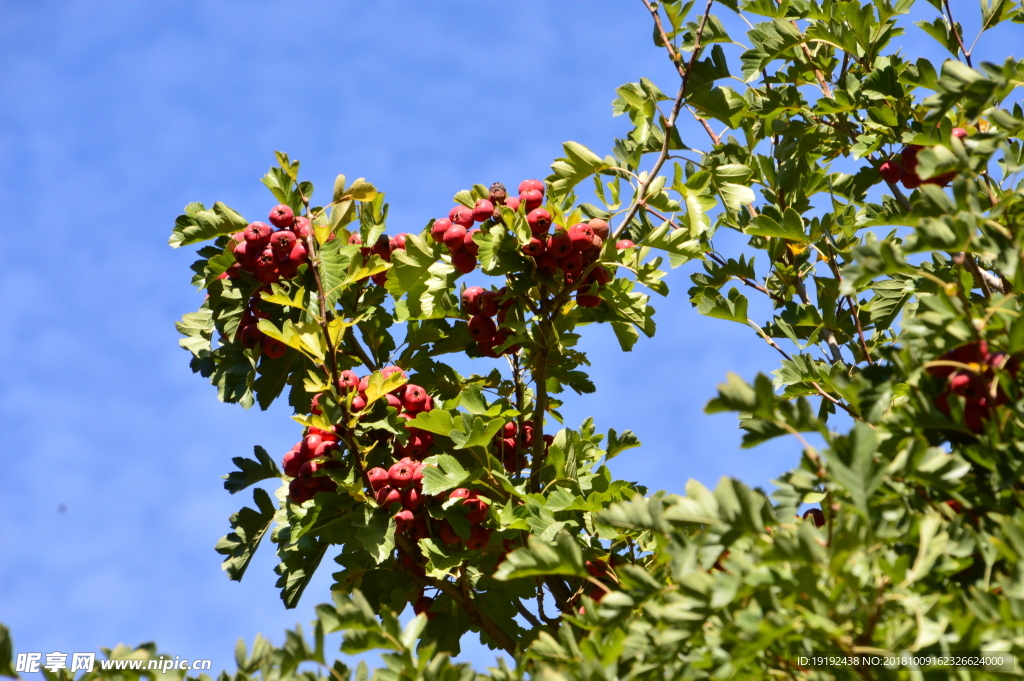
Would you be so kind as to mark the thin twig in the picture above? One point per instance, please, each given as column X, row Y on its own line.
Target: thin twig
column 670, row 122
column 956, row 34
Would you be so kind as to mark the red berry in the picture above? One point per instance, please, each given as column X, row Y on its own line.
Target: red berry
column 379, row 279
column 382, row 247
column 326, row 448
column 404, row 520
column 358, row 403
column 298, row 492
column 314, row 407
column 355, row 240
column 393, row 401
column 482, row 210
column 309, row 444
column 816, row 515
column 468, row 244
column 510, row 429
column 624, row 244
column 470, row 300
column 388, row 495
column 438, row 229
column 258, row 234
column 447, row 534
column 560, row 244
column 890, row 172
column 582, row 236
column 298, row 255
column 463, row 261
column 600, row 274
column 477, row 510
column 250, row 336
column 909, row 156
column 531, row 184
column 461, row 215
column 482, row 328
column 282, row 241
column 347, row 380
column 513, row 202
column 414, row 397
column 455, row 238
column 301, row 227
column 461, row 493
column 911, row 181
column 378, row 478
column 478, row 538
column 959, row 133
column 422, row 607
column 400, row 474
column 600, row 228
column 597, row 567
column 488, row 303
column 281, row 216
column 571, row 264
column 292, row 462
column 532, row 199
column 587, row 300
column 534, row 248
column 398, row 242
column 547, row 264
column 539, row 220
column 412, row 498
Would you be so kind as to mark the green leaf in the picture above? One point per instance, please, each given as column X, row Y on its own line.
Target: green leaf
column 441, row 473
column 674, row 241
column 578, row 164
column 6, row 653
column 250, row 472
column 1017, row 336
column 792, row 227
column 437, row 421
column 620, row 443
column 851, row 462
column 539, row 558
column 771, row 41
column 711, row 302
column 199, row 224
column 249, row 527
column 475, row 432
column 410, row 269
column 377, row 533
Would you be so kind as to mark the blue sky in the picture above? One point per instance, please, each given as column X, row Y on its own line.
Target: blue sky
column 117, row 114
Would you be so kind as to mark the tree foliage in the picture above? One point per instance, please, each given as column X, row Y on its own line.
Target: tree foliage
column 883, row 208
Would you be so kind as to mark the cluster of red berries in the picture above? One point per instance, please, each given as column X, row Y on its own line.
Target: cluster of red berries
column 455, row 233
column 903, row 168
column 484, row 307
column 306, row 459
column 507, row 445
column 971, row 373
column 249, row 334
column 383, row 247
column 271, row 255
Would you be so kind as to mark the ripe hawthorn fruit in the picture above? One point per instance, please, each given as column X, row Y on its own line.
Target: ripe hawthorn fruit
column 600, row 228
column 378, row 478
column 478, row 538
column 534, row 248
column 281, row 216
column 539, row 220
column 386, row 496
column 347, row 381
column 455, row 238
column 547, row 264
column 468, row 244
column 461, row 215
column 422, row 607
column 414, row 397
column 488, row 303
column 438, row 229
column 257, row 234
column 470, row 299
column 816, row 515
column 482, row 328
column 890, row 172
column 482, row 210
column 463, row 261
column 527, row 185
column 560, row 244
column 582, row 236
column 531, row 198
column 624, row 244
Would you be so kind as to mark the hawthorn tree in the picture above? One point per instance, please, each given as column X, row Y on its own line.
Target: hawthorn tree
column 882, row 206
